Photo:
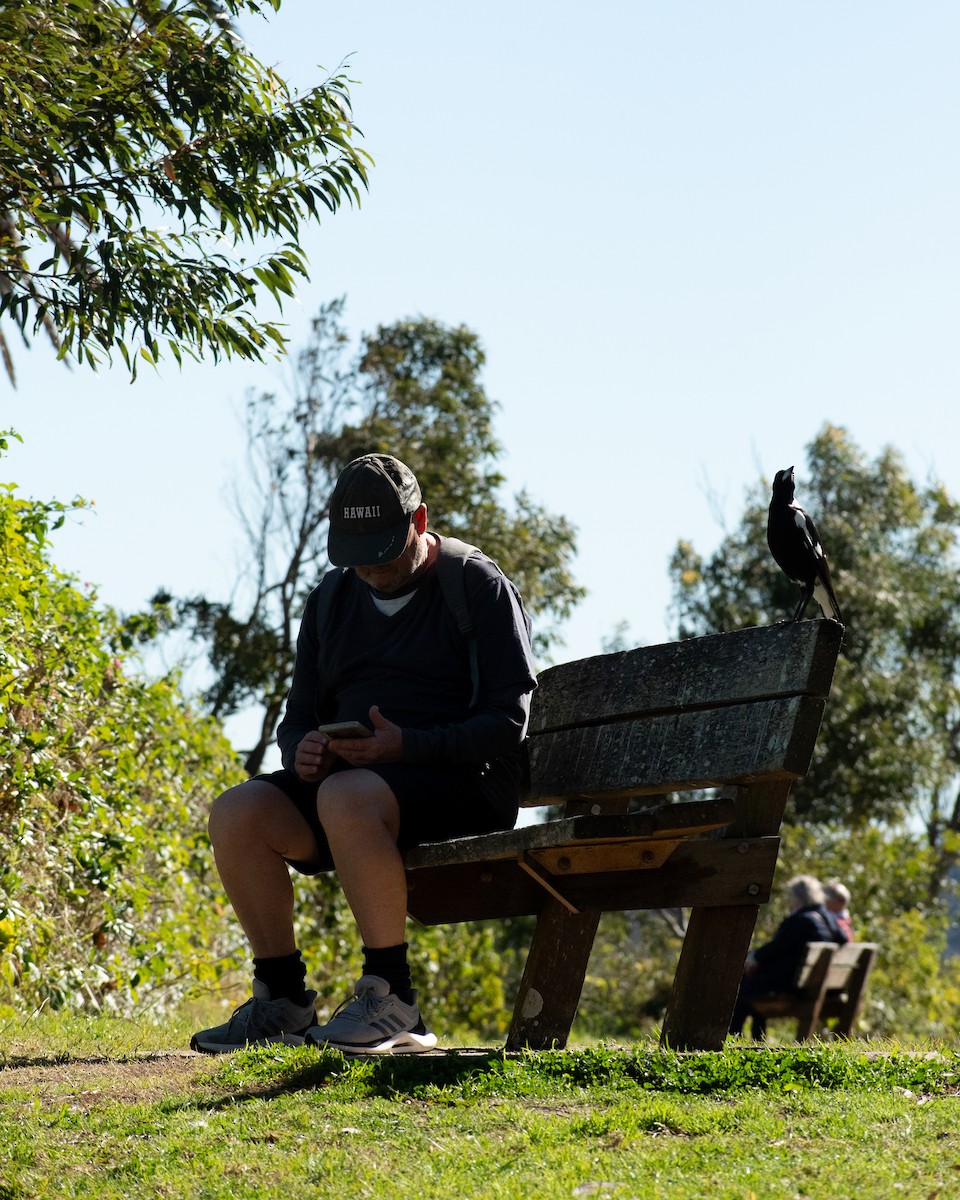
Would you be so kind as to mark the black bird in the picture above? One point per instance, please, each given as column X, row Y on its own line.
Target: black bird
column 795, row 544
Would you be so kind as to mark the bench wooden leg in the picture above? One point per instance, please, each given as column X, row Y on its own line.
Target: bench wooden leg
column 849, row 1009
column 807, row 1023
column 708, row 977
column 552, row 978
column 717, row 940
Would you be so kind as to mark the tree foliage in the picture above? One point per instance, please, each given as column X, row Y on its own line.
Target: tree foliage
column 413, row 389
column 142, row 143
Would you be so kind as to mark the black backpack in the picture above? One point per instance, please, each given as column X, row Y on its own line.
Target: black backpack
column 450, row 566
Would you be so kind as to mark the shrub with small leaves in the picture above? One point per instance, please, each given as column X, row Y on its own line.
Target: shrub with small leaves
column 108, row 896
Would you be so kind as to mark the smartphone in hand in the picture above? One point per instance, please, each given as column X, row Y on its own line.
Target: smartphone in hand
column 345, row 729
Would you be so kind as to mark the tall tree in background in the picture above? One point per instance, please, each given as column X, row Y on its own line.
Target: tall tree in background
column 889, row 749
column 142, row 144
column 413, row 390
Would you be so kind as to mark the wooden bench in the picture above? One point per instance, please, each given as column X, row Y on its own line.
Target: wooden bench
column 830, row 986
column 735, row 715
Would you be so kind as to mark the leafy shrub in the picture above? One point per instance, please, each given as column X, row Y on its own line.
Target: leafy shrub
column 108, row 897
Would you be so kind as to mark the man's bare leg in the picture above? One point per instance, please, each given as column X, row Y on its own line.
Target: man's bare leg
column 253, row 828
column 361, row 819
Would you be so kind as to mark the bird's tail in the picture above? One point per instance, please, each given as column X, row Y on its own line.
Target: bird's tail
column 823, row 594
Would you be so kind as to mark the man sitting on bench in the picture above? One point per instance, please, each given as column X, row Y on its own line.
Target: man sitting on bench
column 773, row 967
column 431, row 762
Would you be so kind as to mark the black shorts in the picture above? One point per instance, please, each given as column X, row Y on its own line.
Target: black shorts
column 436, row 803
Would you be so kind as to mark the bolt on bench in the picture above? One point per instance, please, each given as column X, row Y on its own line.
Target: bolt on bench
column 738, row 712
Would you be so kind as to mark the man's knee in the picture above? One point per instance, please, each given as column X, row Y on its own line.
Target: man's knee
column 236, row 811
column 356, row 798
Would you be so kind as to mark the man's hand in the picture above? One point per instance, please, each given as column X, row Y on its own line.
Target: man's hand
column 314, row 757
column 386, row 745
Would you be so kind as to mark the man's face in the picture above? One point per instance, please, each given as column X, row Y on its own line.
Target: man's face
column 391, row 577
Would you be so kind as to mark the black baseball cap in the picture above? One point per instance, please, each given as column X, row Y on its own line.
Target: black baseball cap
column 370, row 511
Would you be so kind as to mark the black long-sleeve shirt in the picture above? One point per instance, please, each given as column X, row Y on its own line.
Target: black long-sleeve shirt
column 414, row 664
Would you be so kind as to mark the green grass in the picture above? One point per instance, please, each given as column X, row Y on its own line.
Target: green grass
column 110, row 1109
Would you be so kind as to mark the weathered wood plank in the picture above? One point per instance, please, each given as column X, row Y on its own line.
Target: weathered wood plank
column 708, row 977
column 769, row 739
column 706, row 873
column 793, row 658
column 696, row 816
column 760, row 808
column 552, row 978
column 700, row 873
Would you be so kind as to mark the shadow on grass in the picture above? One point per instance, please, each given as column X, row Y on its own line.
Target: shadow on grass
column 456, row 1076
column 266, row 1075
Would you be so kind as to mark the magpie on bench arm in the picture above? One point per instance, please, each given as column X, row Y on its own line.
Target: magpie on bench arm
column 795, row 544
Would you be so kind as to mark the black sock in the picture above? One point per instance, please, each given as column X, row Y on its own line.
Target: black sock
column 284, row 976
column 390, row 963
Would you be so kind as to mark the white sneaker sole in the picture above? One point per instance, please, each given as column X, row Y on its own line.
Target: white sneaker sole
column 401, row 1043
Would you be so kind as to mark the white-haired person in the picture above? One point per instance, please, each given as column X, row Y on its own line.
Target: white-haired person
column 773, row 966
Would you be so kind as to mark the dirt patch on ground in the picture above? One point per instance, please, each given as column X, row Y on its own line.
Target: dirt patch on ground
column 90, row 1082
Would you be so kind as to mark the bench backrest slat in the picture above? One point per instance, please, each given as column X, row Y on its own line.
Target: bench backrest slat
column 853, row 957
column 792, row 659
column 813, row 969
column 627, row 724
column 747, row 742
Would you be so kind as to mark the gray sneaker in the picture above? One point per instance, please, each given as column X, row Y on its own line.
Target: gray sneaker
column 375, row 1021
column 258, row 1022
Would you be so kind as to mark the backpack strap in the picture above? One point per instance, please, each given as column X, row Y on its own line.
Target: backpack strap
column 450, row 566
column 328, row 585
column 325, row 595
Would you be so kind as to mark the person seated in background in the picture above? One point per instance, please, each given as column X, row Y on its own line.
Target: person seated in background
column 773, row 967
column 838, row 903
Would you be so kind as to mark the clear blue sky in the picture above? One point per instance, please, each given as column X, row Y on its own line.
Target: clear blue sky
column 688, row 234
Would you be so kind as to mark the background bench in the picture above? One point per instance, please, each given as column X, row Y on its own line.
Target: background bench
column 830, row 986
column 737, row 713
